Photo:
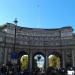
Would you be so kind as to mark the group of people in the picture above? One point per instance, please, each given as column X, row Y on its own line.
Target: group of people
column 14, row 70
column 50, row 71
column 11, row 70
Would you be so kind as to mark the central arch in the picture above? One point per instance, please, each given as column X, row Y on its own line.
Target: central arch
column 38, row 61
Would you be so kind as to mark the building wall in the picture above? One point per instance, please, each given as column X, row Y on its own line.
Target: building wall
column 33, row 40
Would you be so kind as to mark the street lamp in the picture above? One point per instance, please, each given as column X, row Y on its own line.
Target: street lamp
column 14, row 54
column 15, row 22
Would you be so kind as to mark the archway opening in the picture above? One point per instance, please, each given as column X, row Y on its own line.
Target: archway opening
column 23, row 60
column 54, row 61
column 38, row 62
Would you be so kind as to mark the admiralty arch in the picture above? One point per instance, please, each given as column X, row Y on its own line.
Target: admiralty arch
column 37, row 47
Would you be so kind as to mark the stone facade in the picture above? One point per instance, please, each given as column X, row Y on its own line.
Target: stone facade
column 36, row 40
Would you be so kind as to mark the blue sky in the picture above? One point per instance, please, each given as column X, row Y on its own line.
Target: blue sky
column 38, row 13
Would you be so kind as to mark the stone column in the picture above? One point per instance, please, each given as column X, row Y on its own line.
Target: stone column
column 73, row 58
column 63, row 59
column 30, row 60
column 46, row 60
column 5, row 56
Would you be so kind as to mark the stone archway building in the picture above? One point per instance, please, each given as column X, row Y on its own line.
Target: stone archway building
column 34, row 40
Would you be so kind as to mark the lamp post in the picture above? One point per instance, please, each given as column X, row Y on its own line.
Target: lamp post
column 14, row 54
column 15, row 22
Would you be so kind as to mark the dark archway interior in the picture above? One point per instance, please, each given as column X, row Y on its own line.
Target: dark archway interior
column 21, row 53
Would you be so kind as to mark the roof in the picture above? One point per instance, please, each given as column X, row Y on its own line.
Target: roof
column 27, row 28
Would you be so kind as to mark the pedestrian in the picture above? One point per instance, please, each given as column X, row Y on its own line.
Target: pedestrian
column 3, row 69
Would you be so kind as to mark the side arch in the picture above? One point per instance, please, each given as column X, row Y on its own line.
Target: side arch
column 55, row 60
column 23, row 60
